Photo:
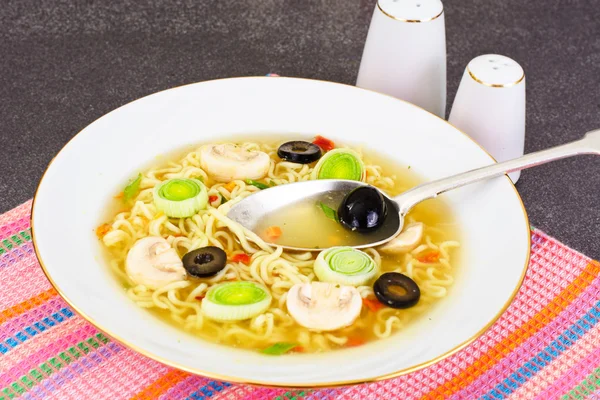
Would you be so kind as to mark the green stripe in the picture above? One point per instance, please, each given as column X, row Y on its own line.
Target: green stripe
column 8, row 393
column 293, row 395
column 51, row 365
column 587, row 387
column 18, row 239
column 17, row 388
column 83, row 347
column 27, row 382
column 36, row 375
column 73, row 351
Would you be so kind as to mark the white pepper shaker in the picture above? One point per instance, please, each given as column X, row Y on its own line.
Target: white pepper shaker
column 490, row 106
column 405, row 53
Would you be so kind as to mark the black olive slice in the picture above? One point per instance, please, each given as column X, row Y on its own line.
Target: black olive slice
column 363, row 209
column 396, row 290
column 205, row 261
column 299, row 152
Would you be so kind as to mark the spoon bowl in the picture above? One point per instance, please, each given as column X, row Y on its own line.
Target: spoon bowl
column 283, row 199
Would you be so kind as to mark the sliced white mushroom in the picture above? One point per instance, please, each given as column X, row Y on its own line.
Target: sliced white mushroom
column 406, row 241
column 152, row 262
column 323, row 306
column 228, row 162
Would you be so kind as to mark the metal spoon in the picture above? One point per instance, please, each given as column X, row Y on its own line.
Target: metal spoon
column 249, row 211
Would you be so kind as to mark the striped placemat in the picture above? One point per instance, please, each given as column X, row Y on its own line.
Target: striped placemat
column 545, row 346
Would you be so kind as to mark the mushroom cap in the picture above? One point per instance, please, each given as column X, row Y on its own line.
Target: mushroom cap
column 323, row 306
column 152, row 262
column 406, row 241
column 228, row 162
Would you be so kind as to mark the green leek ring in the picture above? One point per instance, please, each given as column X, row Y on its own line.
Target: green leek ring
column 180, row 198
column 346, row 266
column 235, row 301
column 340, row 164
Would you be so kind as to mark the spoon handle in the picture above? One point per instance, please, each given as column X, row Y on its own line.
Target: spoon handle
column 590, row 144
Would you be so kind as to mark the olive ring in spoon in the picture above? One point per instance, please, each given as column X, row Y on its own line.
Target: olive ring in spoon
column 249, row 211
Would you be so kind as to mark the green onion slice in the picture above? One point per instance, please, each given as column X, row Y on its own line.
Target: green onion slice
column 259, row 185
column 340, row 164
column 346, row 266
column 235, row 301
column 279, row 348
column 132, row 189
column 180, row 198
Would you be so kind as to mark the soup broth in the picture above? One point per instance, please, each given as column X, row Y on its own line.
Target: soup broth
column 432, row 264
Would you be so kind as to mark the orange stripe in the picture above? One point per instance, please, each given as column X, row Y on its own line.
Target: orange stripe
column 27, row 305
column 161, row 385
column 521, row 334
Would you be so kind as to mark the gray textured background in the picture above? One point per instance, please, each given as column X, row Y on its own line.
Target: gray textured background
column 65, row 63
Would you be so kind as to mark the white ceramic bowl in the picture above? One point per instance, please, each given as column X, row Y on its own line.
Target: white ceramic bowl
column 77, row 185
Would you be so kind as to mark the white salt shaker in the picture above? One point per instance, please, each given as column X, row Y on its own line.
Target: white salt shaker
column 490, row 106
column 405, row 53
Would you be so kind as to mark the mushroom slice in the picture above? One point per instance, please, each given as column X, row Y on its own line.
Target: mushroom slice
column 406, row 241
column 152, row 262
column 228, row 162
column 323, row 306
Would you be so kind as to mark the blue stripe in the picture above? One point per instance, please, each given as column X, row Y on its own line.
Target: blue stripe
column 58, row 317
column 34, row 329
column 208, row 390
column 30, row 331
column 546, row 356
column 39, row 327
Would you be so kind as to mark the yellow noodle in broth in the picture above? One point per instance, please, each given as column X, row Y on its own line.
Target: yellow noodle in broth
column 179, row 302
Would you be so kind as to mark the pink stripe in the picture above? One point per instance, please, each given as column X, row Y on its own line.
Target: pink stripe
column 40, row 342
column 12, row 326
column 392, row 389
column 22, row 211
column 573, row 377
column 14, row 227
column 119, row 377
column 45, row 353
column 556, row 368
column 35, row 280
column 534, row 344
